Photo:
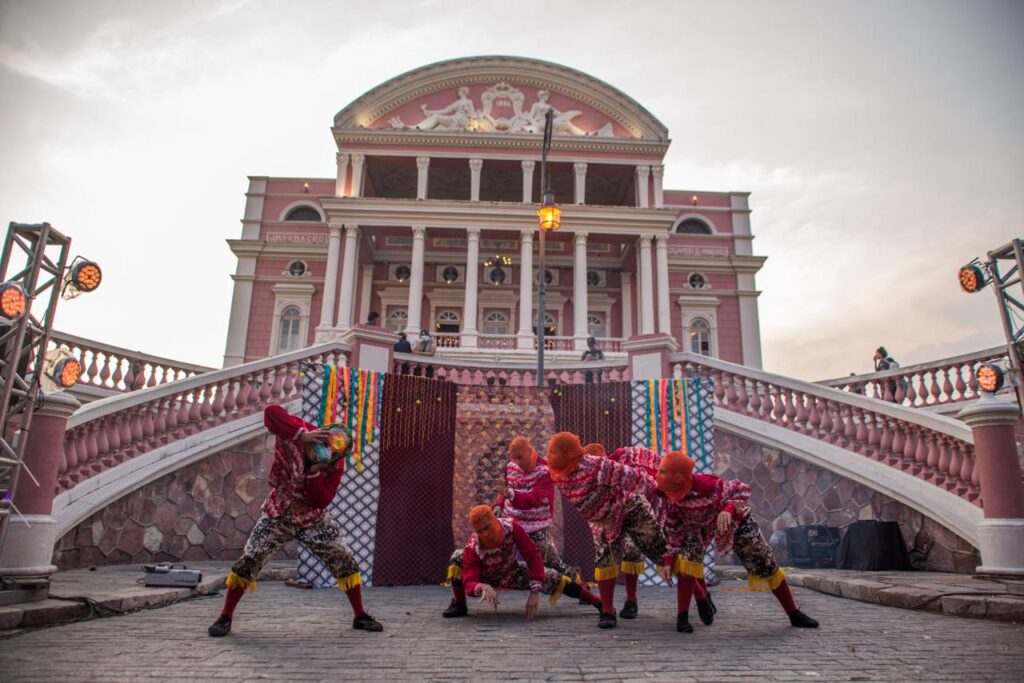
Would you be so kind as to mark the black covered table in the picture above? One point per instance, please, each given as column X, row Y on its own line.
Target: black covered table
column 873, row 546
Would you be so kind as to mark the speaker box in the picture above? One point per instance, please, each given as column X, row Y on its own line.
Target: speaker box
column 813, row 545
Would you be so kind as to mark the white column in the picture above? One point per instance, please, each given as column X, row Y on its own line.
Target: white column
column 579, row 291
column 750, row 324
column 241, row 303
column 528, row 181
column 469, row 333
column 739, row 205
column 661, row 255
column 415, row 307
column 626, row 303
column 348, row 278
column 330, row 283
column 659, row 191
column 646, row 287
column 580, row 169
column 422, row 168
column 642, row 174
column 365, row 293
column 525, row 336
column 339, row 185
column 474, row 179
column 357, row 175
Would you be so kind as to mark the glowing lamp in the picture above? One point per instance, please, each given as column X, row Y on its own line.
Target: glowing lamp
column 972, row 278
column 66, row 372
column 86, row 276
column 549, row 214
column 990, row 378
column 13, row 300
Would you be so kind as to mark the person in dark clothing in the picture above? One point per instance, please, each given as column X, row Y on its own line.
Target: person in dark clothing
column 403, row 345
column 373, row 318
column 591, row 354
column 883, row 362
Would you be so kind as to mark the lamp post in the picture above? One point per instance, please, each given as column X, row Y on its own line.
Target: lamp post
column 549, row 216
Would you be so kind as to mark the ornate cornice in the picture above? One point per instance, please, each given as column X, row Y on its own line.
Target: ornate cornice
column 345, row 137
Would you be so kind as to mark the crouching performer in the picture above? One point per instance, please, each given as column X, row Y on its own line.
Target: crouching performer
column 699, row 508
column 611, row 498
column 304, row 477
column 488, row 562
column 529, row 498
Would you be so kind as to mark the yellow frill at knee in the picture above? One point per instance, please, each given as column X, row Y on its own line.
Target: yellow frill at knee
column 236, row 581
column 350, row 581
column 553, row 598
column 685, row 567
column 765, row 584
column 604, row 573
column 636, row 568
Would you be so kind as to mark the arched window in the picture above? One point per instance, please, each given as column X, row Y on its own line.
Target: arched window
column 700, row 337
column 447, row 322
column 595, row 325
column 288, row 332
column 496, row 322
column 398, row 320
column 693, row 226
column 303, row 213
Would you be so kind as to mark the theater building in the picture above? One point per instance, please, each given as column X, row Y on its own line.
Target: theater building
column 431, row 222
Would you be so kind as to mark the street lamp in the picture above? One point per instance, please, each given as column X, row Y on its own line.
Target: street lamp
column 549, row 217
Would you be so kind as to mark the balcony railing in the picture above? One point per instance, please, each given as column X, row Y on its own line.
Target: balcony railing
column 509, row 373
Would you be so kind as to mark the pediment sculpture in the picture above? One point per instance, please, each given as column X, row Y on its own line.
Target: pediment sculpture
column 502, row 112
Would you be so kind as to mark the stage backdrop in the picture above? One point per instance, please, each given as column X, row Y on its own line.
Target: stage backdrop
column 430, row 450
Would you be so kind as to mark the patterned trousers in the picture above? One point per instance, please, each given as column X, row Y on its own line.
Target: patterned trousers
column 749, row 545
column 639, row 528
column 323, row 538
column 518, row 578
column 549, row 551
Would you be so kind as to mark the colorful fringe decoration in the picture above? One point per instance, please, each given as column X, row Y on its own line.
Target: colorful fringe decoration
column 632, row 567
column 352, row 397
column 603, row 573
column 687, row 568
column 553, row 598
column 765, row 584
column 350, row 581
column 454, row 572
column 236, row 581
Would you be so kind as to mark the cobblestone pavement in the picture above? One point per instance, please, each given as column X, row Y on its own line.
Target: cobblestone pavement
column 286, row 634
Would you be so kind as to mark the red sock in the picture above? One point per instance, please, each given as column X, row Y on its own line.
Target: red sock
column 684, row 592
column 630, row 581
column 607, row 590
column 701, row 590
column 785, row 597
column 588, row 598
column 460, row 593
column 355, row 597
column 231, row 598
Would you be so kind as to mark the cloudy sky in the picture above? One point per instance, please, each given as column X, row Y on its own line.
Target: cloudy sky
column 881, row 140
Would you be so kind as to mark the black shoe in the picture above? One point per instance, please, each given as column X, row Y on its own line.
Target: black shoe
column 606, row 620
column 683, row 623
column 801, row 620
column 629, row 610
column 364, row 622
column 221, row 627
column 706, row 611
column 455, row 609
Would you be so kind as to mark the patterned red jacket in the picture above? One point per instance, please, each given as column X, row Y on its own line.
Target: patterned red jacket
column 293, row 492
column 532, row 499
column 494, row 566
column 599, row 488
column 697, row 513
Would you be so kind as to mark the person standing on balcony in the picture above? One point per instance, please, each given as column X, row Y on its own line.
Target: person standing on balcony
column 884, row 362
column 700, row 508
column 301, row 488
column 426, row 346
column 488, row 562
column 611, row 497
column 593, row 353
column 403, row 345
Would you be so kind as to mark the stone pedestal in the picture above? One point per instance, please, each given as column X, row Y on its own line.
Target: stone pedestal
column 28, row 546
column 373, row 347
column 1001, row 534
column 648, row 355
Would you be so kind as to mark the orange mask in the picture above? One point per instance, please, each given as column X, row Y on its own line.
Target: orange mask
column 522, row 454
column 487, row 527
column 564, row 452
column 595, row 449
column 675, row 475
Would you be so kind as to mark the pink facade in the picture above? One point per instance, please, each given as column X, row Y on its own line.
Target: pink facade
column 442, row 165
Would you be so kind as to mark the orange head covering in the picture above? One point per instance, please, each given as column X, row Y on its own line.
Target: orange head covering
column 486, row 526
column 564, row 451
column 522, row 454
column 675, row 475
column 595, row 449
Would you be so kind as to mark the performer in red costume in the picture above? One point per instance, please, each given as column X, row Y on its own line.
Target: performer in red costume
column 529, row 498
column 612, row 498
column 488, row 562
column 300, row 491
column 699, row 508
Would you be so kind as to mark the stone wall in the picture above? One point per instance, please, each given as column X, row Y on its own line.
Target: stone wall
column 788, row 492
column 201, row 512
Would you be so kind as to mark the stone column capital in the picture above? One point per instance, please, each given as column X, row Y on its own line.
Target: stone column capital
column 580, row 167
column 422, row 163
column 661, row 241
column 475, row 164
column 341, row 157
column 528, row 165
column 358, row 158
column 658, row 170
column 473, row 234
column 643, row 171
column 351, row 231
column 526, row 235
column 419, row 232
column 335, row 227
column 645, row 241
column 580, row 238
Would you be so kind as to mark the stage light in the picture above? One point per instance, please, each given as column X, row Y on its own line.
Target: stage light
column 61, row 370
column 13, row 301
column 66, row 372
column 81, row 277
column 990, row 378
column 972, row 278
